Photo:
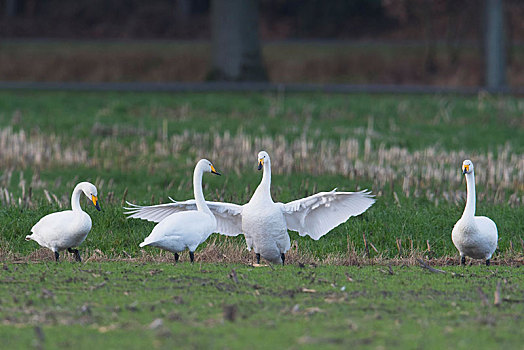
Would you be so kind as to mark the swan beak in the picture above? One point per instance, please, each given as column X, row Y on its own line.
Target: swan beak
column 465, row 169
column 260, row 163
column 213, row 171
column 95, row 202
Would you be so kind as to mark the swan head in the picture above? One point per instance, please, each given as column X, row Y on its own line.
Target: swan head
column 90, row 191
column 206, row 167
column 263, row 157
column 467, row 167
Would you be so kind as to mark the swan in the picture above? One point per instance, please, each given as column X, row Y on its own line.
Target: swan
column 180, row 230
column 263, row 222
column 473, row 236
column 66, row 229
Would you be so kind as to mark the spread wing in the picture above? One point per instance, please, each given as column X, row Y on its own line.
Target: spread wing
column 318, row 214
column 228, row 215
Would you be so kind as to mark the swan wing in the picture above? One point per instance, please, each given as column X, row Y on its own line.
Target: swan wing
column 159, row 212
column 52, row 223
column 228, row 215
column 318, row 214
column 187, row 226
column 488, row 230
column 61, row 229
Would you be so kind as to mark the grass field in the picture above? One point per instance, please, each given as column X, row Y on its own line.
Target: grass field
column 340, row 291
column 133, row 306
column 407, row 149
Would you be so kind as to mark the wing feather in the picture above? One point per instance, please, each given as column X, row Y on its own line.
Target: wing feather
column 318, row 214
column 228, row 215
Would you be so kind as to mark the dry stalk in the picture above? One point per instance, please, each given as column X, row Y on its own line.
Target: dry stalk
column 419, row 172
column 497, row 298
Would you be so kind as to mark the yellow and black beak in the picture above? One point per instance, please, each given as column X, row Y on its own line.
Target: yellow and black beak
column 213, row 171
column 260, row 163
column 465, row 169
column 95, row 202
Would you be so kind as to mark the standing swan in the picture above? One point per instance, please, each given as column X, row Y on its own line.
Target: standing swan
column 474, row 236
column 188, row 229
column 264, row 223
column 66, row 229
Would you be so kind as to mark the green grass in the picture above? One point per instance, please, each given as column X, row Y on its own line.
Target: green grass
column 115, row 305
column 478, row 123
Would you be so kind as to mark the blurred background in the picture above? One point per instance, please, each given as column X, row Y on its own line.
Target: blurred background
column 446, row 43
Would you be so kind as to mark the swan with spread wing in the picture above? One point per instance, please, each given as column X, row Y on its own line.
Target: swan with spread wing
column 263, row 222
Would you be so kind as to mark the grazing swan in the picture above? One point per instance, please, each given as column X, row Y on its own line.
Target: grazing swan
column 264, row 223
column 66, row 229
column 178, row 231
column 474, row 236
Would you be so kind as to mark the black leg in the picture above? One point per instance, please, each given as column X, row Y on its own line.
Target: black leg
column 57, row 256
column 76, row 252
column 258, row 258
column 487, row 262
column 462, row 260
column 283, row 257
column 176, row 257
column 192, row 256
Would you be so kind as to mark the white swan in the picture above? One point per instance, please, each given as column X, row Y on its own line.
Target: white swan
column 474, row 236
column 178, row 231
column 66, row 229
column 264, row 223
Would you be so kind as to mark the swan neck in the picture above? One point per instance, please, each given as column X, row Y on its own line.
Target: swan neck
column 75, row 199
column 264, row 189
column 197, row 191
column 469, row 210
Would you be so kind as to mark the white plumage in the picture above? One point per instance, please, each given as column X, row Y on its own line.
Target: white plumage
column 264, row 223
column 474, row 236
column 178, row 230
column 66, row 229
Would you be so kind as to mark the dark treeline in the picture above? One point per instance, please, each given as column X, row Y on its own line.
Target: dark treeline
column 279, row 19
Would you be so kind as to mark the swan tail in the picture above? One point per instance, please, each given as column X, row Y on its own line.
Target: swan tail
column 143, row 244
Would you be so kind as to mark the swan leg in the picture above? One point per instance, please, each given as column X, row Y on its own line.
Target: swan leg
column 488, row 262
column 258, row 257
column 192, row 256
column 176, row 257
column 283, row 257
column 462, row 260
column 76, row 252
column 57, row 256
